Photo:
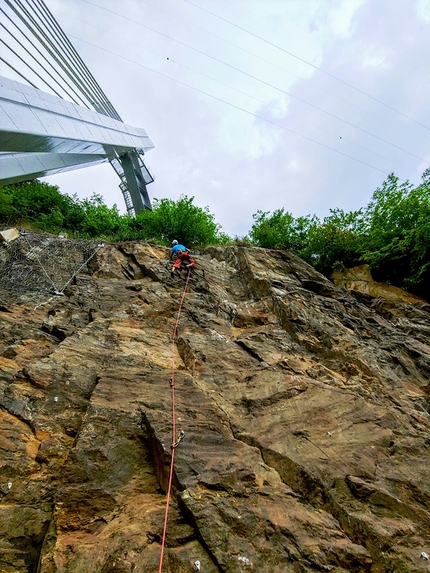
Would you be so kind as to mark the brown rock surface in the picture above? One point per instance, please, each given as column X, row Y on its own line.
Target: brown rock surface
column 305, row 409
column 360, row 279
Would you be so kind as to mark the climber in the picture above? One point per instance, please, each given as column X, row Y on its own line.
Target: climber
column 181, row 255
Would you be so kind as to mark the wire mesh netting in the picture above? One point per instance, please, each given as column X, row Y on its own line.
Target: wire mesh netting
column 38, row 262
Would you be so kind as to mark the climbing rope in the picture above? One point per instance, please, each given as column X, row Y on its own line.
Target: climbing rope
column 176, row 438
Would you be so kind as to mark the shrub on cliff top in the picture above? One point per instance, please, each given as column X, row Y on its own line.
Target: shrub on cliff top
column 181, row 220
column 391, row 234
column 41, row 206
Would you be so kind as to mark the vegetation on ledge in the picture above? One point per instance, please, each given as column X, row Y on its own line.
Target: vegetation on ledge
column 41, row 206
column 391, row 234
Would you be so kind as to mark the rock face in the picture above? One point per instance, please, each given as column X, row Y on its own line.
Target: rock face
column 305, row 409
column 360, row 279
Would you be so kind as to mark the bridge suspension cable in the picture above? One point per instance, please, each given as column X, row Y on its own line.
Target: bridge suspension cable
column 52, row 58
column 36, row 49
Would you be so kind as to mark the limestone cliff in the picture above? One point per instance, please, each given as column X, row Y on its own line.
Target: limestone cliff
column 305, row 409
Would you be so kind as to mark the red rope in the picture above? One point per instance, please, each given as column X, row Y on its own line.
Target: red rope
column 172, row 383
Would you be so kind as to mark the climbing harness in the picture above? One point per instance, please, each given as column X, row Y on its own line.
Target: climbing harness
column 176, row 437
column 194, row 274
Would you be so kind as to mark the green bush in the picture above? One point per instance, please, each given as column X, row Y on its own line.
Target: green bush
column 34, row 198
column 42, row 206
column 281, row 230
column 391, row 234
column 397, row 234
column 8, row 212
column 336, row 240
column 181, row 220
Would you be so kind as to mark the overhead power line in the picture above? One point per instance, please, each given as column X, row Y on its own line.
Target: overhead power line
column 267, row 104
column 271, row 63
column 257, row 79
column 46, row 30
column 231, row 105
column 305, row 62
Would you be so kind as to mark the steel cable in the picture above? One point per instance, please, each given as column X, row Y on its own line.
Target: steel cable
column 54, row 52
column 17, row 72
column 28, row 65
column 45, row 37
column 38, row 38
column 79, row 61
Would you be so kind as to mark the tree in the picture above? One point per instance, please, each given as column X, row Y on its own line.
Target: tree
column 320, row 244
column 336, row 240
column 42, row 206
column 100, row 221
column 281, row 230
column 272, row 231
column 181, row 220
column 391, row 234
column 32, row 199
column 397, row 233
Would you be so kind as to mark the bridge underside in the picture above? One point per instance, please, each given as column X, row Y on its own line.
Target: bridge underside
column 41, row 134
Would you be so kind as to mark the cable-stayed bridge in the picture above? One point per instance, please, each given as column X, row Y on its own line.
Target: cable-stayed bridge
column 54, row 116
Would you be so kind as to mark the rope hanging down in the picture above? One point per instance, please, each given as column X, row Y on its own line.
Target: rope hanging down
column 175, row 438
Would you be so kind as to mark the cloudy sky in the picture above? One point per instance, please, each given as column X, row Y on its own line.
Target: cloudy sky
column 260, row 104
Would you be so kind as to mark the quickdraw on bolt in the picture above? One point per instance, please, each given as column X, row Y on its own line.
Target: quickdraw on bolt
column 179, row 438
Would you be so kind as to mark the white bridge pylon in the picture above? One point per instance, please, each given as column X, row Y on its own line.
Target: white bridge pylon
column 42, row 134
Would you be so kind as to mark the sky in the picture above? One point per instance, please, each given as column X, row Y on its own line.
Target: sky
column 305, row 105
